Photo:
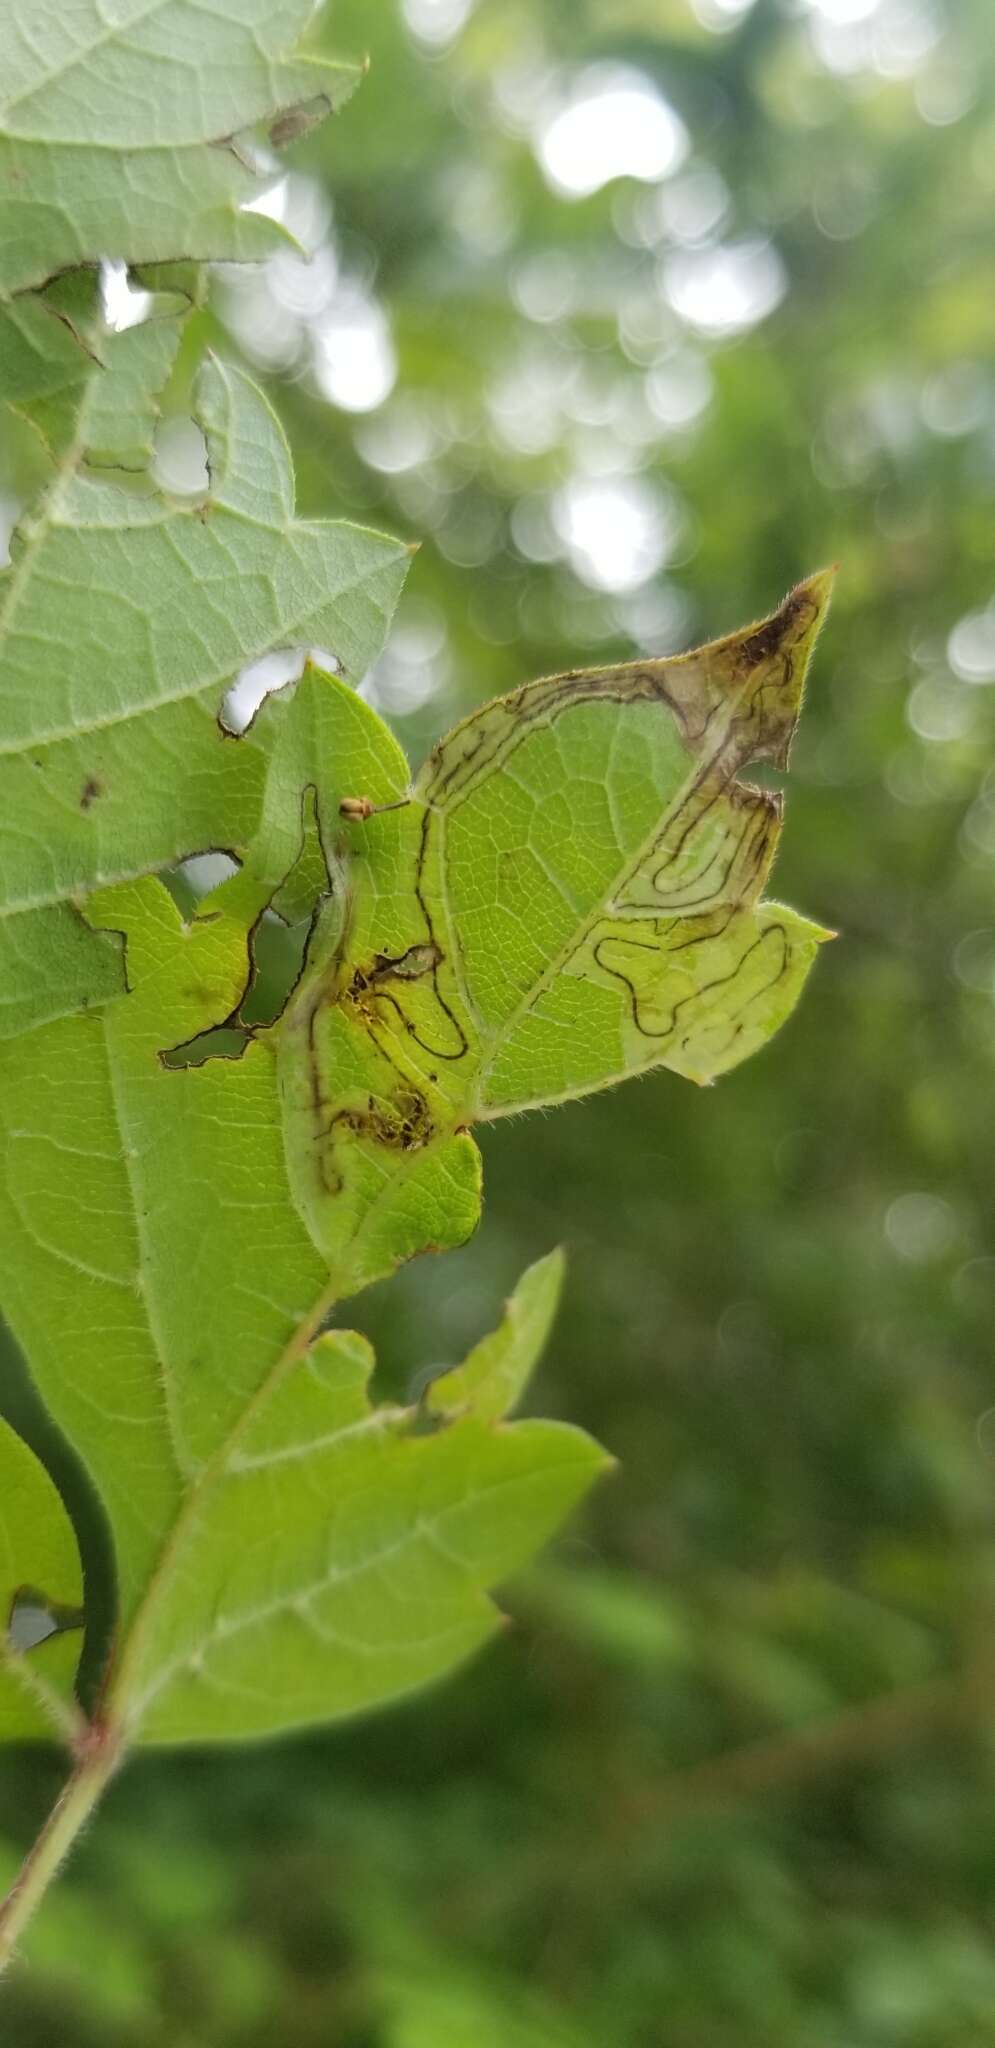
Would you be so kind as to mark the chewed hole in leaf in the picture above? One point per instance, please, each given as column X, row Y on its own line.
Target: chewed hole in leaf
column 33, row 1618
column 259, row 679
column 271, row 202
column 204, row 871
column 179, row 459
column 9, row 515
column 277, row 957
column 299, row 202
column 193, row 879
column 278, row 951
column 224, row 1042
column 124, row 304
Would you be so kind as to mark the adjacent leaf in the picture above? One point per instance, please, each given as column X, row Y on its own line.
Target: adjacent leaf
column 571, row 894
column 118, row 135
column 124, row 617
column 593, row 868
column 40, row 1569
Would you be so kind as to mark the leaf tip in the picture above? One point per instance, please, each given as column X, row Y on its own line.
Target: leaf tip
column 818, row 590
column 552, row 1267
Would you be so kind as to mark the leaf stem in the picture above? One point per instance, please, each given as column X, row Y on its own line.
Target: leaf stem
column 97, row 1756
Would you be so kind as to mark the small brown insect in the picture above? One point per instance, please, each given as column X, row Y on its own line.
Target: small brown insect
column 359, row 808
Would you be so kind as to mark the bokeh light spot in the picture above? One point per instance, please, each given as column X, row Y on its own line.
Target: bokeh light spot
column 614, row 124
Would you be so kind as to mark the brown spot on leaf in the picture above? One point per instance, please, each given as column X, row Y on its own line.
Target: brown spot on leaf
column 775, row 634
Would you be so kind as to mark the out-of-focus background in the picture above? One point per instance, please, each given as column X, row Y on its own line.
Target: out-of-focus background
column 634, row 311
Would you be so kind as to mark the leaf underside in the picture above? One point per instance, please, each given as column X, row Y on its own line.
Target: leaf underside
column 121, row 139
column 125, row 615
column 568, row 893
column 170, row 599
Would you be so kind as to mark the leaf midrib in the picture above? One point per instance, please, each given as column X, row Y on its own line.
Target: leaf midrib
column 422, row 1528
column 115, row 1690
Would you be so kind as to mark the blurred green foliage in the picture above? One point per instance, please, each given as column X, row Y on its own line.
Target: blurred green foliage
column 731, row 1778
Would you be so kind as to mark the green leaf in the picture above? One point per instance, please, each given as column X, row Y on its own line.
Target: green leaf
column 176, row 1233
column 492, row 1379
column 119, row 138
column 597, row 867
column 339, row 1559
column 169, row 599
column 286, row 1552
column 93, row 393
column 571, row 894
column 39, row 1575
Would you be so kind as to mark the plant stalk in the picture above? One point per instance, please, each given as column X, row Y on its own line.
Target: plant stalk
column 97, row 1757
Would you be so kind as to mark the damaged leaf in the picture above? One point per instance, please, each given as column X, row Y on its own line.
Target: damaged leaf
column 92, row 393
column 572, row 893
column 41, row 1596
column 121, row 138
column 170, row 598
column 285, row 1552
column 126, row 614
